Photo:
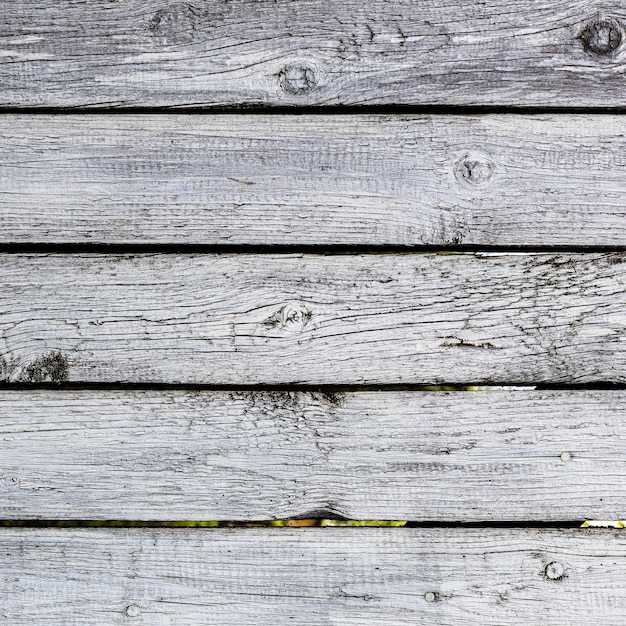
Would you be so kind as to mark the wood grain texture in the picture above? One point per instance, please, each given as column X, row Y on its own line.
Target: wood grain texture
column 355, row 577
column 313, row 319
column 550, row 180
column 311, row 52
column 420, row 456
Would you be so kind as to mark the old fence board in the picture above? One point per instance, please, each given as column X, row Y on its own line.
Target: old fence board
column 311, row 52
column 500, row 180
column 313, row 319
column 448, row 577
column 463, row 456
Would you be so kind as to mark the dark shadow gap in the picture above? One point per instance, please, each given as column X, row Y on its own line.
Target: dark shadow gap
column 499, row 524
column 320, row 250
column 335, row 109
column 277, row 523
column 310, row 388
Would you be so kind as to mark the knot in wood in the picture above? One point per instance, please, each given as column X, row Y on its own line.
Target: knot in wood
column 298, row 79
column 474, row 170
column 132, row 610
column 292, row 317
column 155, row 24
column 602, row 37
column 555, row 570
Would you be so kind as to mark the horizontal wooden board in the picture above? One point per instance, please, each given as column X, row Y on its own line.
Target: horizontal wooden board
column 463, row 456
column 365, row 576
column 313, row 319
column 311, row 52
column 498, row 180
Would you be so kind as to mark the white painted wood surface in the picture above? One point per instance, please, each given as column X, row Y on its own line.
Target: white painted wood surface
column 313, row 319
column 311, row 52
column 353, row 577
column 549, row 180
column 421, row 456
column 285, row 319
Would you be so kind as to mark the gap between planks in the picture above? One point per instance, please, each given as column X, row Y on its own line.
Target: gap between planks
column 299, row 523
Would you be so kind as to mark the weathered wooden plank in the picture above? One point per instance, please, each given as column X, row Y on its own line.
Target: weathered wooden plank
column 315, row 319
column 403, row 180
column 236, row 52
column 448, row 577
column 463, row 456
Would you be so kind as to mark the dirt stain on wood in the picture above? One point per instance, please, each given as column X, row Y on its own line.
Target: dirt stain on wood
column 51, row 367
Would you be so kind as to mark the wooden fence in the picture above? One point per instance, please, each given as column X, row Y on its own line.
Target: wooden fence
column 308, row 259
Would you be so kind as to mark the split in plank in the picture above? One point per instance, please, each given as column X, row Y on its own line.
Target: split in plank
column 365, row 576
column 420, row 456
column 501, row 180
column 313, row 319
column 311, row 52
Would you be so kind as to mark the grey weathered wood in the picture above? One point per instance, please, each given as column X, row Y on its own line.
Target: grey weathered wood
column 426, row 180
column 464, row 456
column 248, row 319
column 362, row 576
column 228, row 52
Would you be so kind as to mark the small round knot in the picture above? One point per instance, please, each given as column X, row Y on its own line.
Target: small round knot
column 474, row 170
column 602, row 37
column 12, row 480
column 555, row 570
column 298, row 79
column 565, row 457
column 430, row 596
column 132, row 610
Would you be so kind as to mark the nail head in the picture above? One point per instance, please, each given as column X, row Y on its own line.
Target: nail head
column 132, row 610
column 555, row 570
